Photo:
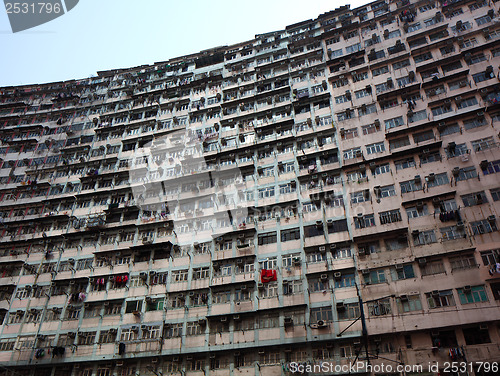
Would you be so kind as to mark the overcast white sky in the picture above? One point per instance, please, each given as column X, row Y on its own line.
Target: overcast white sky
column 107, row 34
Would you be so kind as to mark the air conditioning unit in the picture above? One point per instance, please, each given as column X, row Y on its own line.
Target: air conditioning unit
column 483, row 327
column 399, row 266
column 340, row 306
column 467, row 289
column 460, row 225
column 191, row 293
column 422, row 261
column 324, row 277
column 288, row 321
column 322, row 249
column 297, row 260
column 243, row 287
column 403, row 297
column 435, row 293
column 337, row 275
column 321, row 324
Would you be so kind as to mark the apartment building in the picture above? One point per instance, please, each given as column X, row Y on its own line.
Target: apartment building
column 363, row 150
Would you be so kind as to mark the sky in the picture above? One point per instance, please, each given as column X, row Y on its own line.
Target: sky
column 100, row 35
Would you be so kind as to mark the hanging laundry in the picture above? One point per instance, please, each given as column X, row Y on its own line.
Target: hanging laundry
column 81, row 296
column 268, row 275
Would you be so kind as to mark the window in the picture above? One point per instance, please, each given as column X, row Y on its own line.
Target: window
column 266, row 192
column 402, row 272
column 483, row 144
column 410, row 186
column 466, row 173
column 360, row 196
column 451, row 233
column 393, row 123
column 268, row 321
column 423, row 57
column 336, row 53
column 341, row 99
column 490, row 257
column 417, row 42
column 354, row 48
column 476, row 198
column 443, row 109
column 267, row 238
column 323, row 313
column 483, row 227
column 179, row 276
column 346, row 280
column 399, row 143
column 366, row 110
column 387, row 191
column 292, row 234
column 483, row 20
column 375, row 148
column 379, row 307
column 409, row 303
column 439, row 179
column 381, row 169
column 317, row 285
column 467, row 103
column 374, row 276
column 418, row 116
column 438, row 299
column 380, row 88
column 492, row 168
column 416, row 212
column 463, row 262
column 175, row 330
column 474, row 123
column 431, row 267
column 350, row 311
column 367, row 220
column 476, row 335
column 495, row 194
column 404, row 163
column 425, row 237
column 474, row 294
column 379, row 71
column 390, row 216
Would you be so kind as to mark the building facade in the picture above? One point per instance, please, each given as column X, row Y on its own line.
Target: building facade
column 363, row 150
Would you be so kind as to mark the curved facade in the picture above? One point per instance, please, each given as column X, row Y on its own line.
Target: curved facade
column 323, row 194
